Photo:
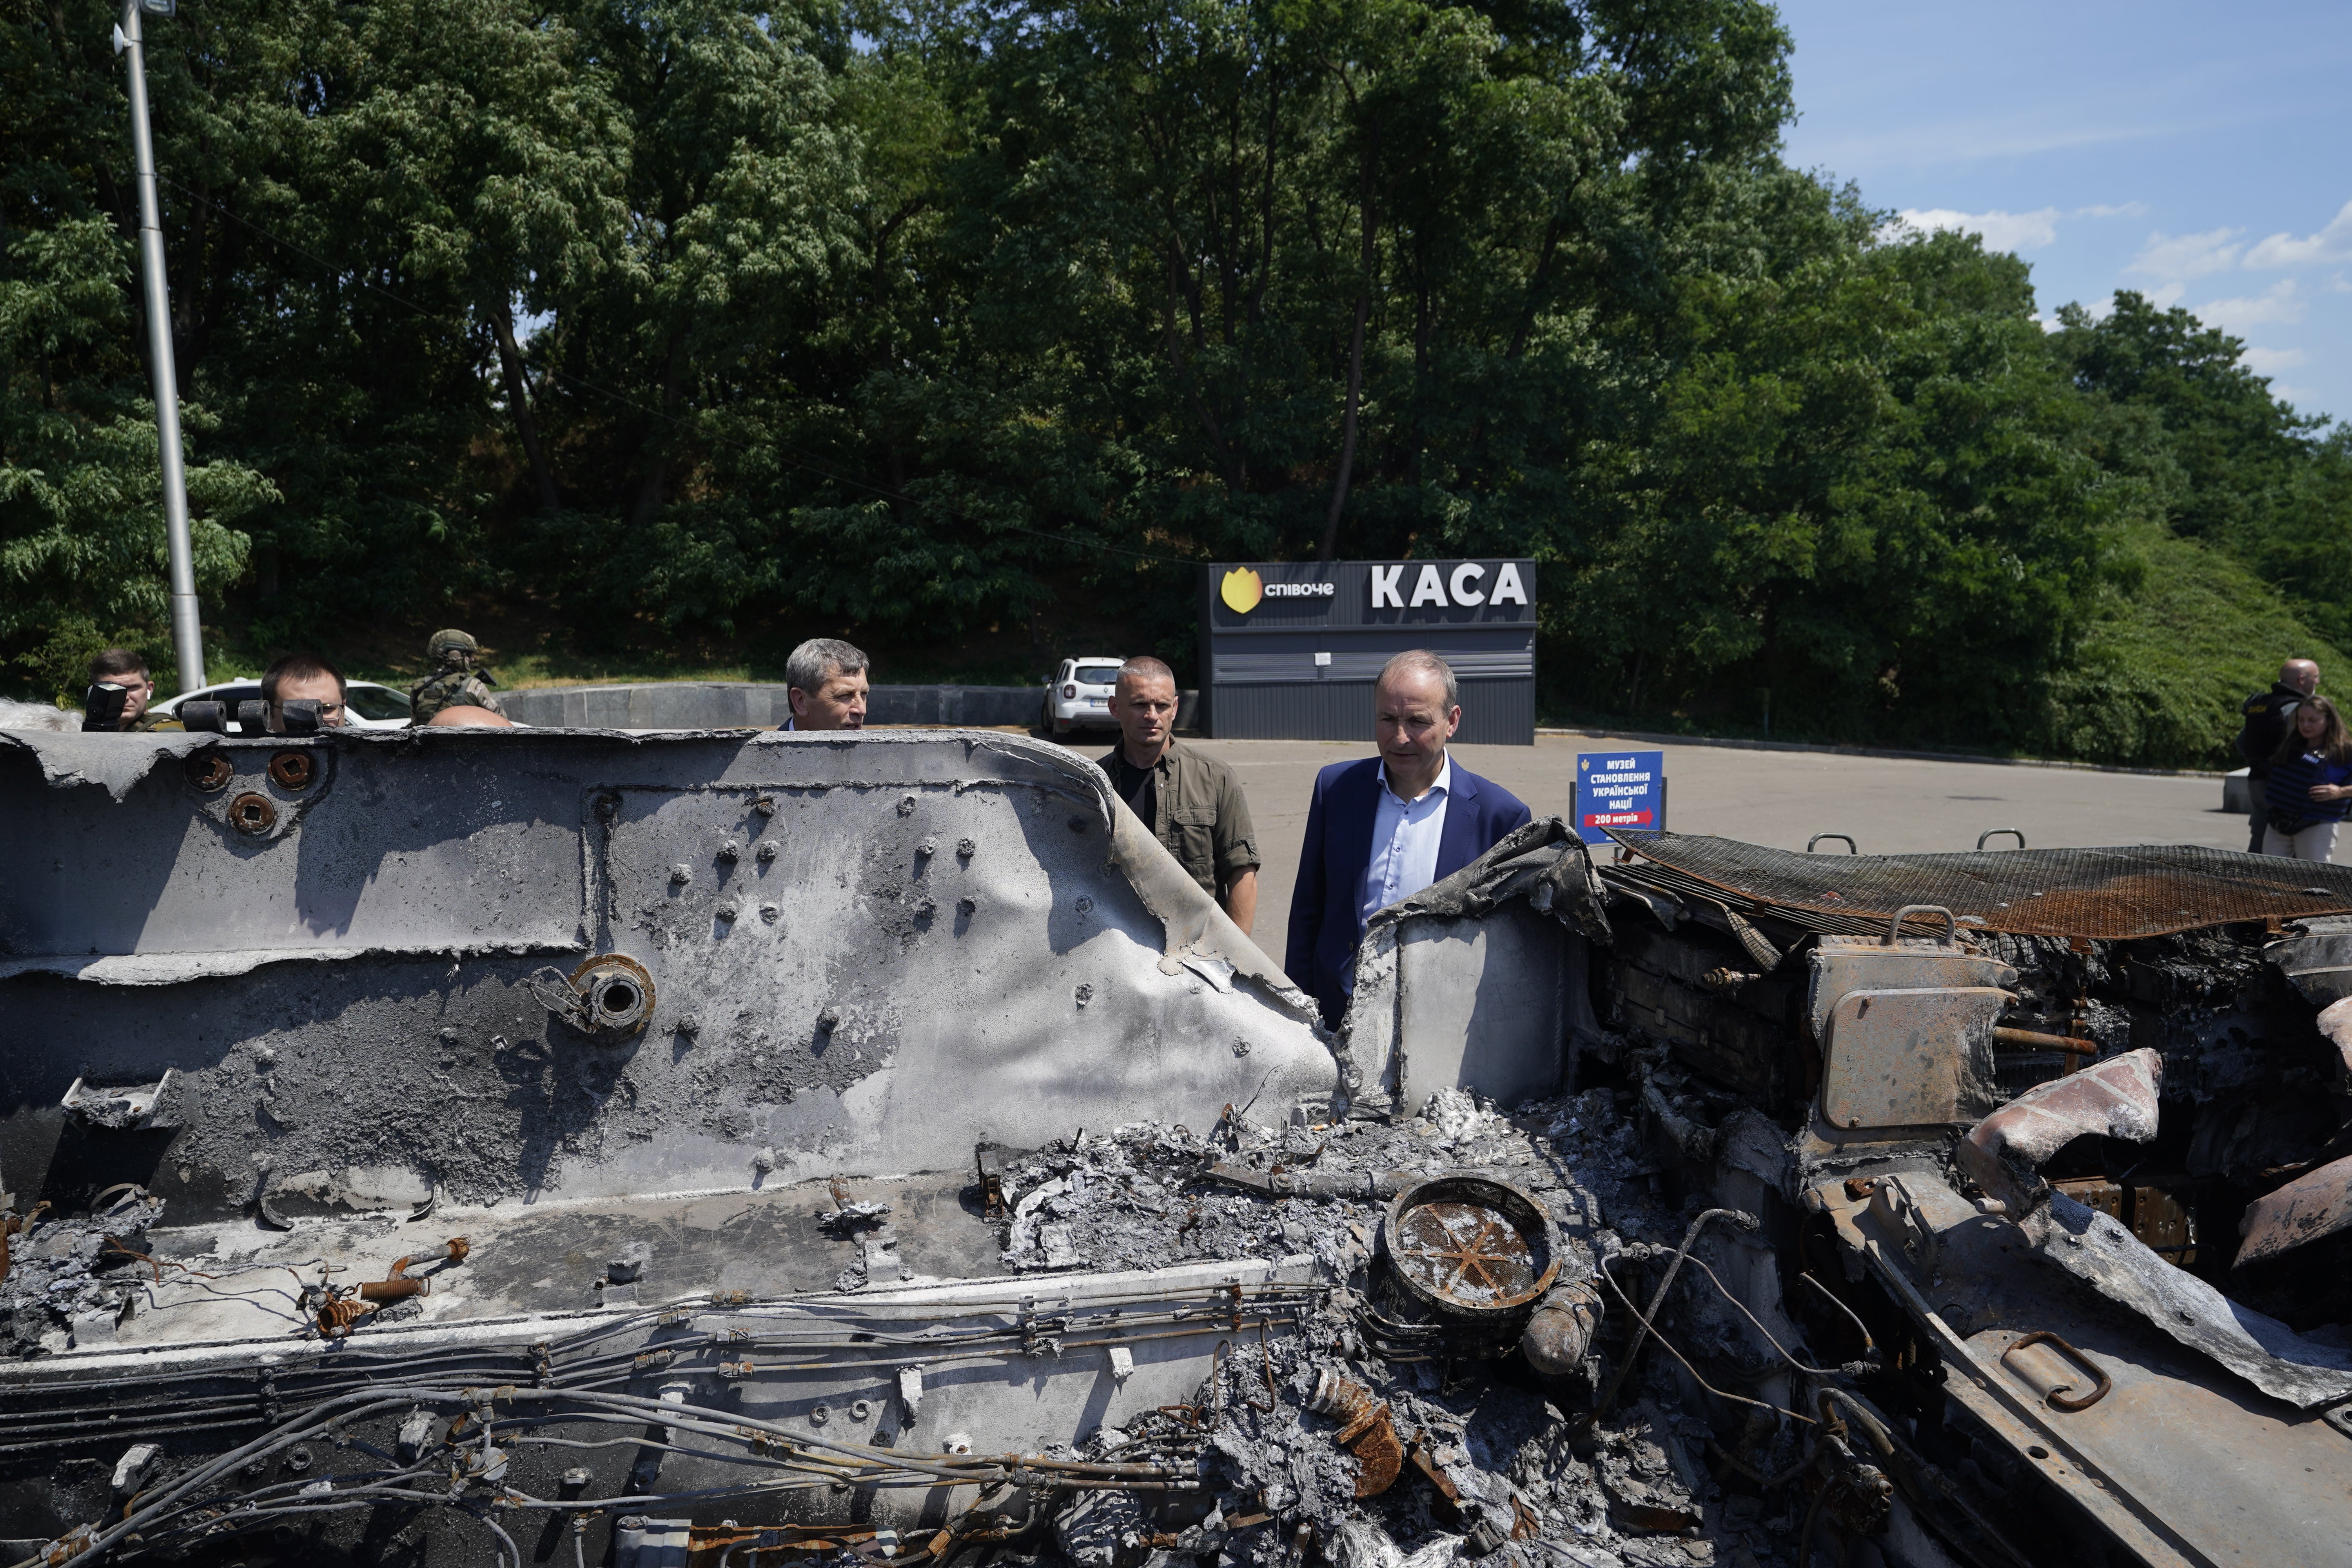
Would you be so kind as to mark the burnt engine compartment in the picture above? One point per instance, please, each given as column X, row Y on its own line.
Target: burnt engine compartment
column 1710, row 1019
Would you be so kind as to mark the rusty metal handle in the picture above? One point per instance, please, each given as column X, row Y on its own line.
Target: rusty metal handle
column 2057, row 1396
column 1991, row 832
column 1851, row 848
column 1951, row 923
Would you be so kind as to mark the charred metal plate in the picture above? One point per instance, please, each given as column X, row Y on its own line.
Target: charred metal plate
column 291, row 847
column 1903, row 1057
column 2141, row 889
column 2313, row 1205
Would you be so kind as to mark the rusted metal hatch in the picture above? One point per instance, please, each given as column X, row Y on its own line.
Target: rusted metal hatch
column 1470, row 1247
column 2135, row 891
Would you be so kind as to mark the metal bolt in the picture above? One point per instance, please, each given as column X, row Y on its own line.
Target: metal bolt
column 681, row 872
column 764, row 807
column 767, row 853
column 691, row 1025
column 293, row 770
column 208, row 771
column 964, row 848
column 252, row 814
column 860, row 1410
column 448, row 1035
column 819, row 1415
column 905, row 808
column 769, row 912
column 297, row 1459
column 726, row 911
column 928, row 846
column 1084, row 904
column 967, row 905
column 730, row 852
column 1085, row 993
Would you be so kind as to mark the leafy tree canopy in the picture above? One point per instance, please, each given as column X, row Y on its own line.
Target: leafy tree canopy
column 696, row 323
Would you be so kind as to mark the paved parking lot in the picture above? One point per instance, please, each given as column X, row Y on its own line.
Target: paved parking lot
column 1782, row 798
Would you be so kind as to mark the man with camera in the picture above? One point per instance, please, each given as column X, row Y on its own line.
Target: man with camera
column 120, row 690
column 303, row 677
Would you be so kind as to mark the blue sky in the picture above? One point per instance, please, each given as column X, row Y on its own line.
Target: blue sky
column 2196, row 154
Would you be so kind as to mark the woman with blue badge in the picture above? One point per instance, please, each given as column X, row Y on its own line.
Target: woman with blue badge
column 2310, row 789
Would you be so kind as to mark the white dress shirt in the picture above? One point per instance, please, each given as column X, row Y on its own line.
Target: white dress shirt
column 1405, row 835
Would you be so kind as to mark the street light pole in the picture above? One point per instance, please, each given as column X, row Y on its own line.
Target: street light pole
column 187, row 635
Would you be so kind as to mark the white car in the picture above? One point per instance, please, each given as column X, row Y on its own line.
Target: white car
column 366, row 705
column 1079, row 695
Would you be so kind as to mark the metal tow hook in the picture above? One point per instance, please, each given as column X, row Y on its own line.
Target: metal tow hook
column 2058, row 1397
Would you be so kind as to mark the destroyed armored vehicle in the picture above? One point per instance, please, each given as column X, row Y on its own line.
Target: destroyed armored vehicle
column 505, row 1146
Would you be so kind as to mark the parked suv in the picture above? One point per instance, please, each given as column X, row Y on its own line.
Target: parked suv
column 1079, row 695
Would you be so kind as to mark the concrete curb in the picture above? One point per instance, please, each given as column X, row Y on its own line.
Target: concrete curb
column 733, row 704
column 1649, row 737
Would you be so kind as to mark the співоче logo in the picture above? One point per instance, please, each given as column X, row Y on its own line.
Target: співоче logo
column 1243, row 590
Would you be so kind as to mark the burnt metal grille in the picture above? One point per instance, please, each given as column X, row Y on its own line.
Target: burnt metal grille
column 2142, row 889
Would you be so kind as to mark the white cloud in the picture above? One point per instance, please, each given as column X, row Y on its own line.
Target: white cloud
column 2001, row 231
column 2278, row 303
column 2332, row 243
column 2128, row 209
column 2270, row 362
column 2177, row 259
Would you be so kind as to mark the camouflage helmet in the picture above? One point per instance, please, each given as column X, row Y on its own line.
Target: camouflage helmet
column 445, row 643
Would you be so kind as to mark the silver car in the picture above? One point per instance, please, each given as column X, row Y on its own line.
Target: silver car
column 1079, row 695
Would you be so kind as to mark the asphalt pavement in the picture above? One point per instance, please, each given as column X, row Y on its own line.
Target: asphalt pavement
column 1889, row 805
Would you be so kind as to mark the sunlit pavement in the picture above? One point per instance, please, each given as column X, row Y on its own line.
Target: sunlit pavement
column 1782, row 798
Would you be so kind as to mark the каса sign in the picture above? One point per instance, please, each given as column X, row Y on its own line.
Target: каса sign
column 1291, row 650
column 1371, row 586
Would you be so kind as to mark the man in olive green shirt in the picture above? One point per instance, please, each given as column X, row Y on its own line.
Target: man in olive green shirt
column 1192, row 803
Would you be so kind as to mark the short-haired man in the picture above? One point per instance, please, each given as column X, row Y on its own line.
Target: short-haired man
column 825, row 680
column 465, row 716
column 2268, row 714
column 1192, row 803
column 122, row 668
column 303, row 677
column 1384, row 828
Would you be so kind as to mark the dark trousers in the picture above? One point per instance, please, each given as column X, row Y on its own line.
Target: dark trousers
column 2260, row 815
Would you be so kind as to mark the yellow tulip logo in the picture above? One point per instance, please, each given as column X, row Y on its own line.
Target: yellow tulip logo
column 1241, row 589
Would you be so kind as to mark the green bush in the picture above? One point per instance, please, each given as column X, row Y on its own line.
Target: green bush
column 2158, row 678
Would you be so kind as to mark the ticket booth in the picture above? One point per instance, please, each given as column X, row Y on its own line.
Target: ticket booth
column 1289, row 650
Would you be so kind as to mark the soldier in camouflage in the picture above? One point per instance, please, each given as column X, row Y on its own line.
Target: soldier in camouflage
column 454, row 682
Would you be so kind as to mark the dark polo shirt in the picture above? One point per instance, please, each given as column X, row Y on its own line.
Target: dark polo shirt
column 1195, row 808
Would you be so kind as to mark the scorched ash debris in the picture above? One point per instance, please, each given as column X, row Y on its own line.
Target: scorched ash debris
column 1499, row 1464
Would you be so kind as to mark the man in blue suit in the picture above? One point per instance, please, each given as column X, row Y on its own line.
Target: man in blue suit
column 1386, row 827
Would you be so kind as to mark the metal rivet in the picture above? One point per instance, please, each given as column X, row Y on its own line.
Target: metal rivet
column 907, row 806
column 767, row 853
column 730, row 851
column 208, row 771
column 727, row 912
column 691, row 1025
column 251, row 813
column 681, row 872
column 819, row 1415
column 964, row 847
column 764, row 807
column 1085, row 993
column 861, row 1410
column 769, row 912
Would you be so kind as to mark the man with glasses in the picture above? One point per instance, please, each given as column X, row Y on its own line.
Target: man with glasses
column 303, row 677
